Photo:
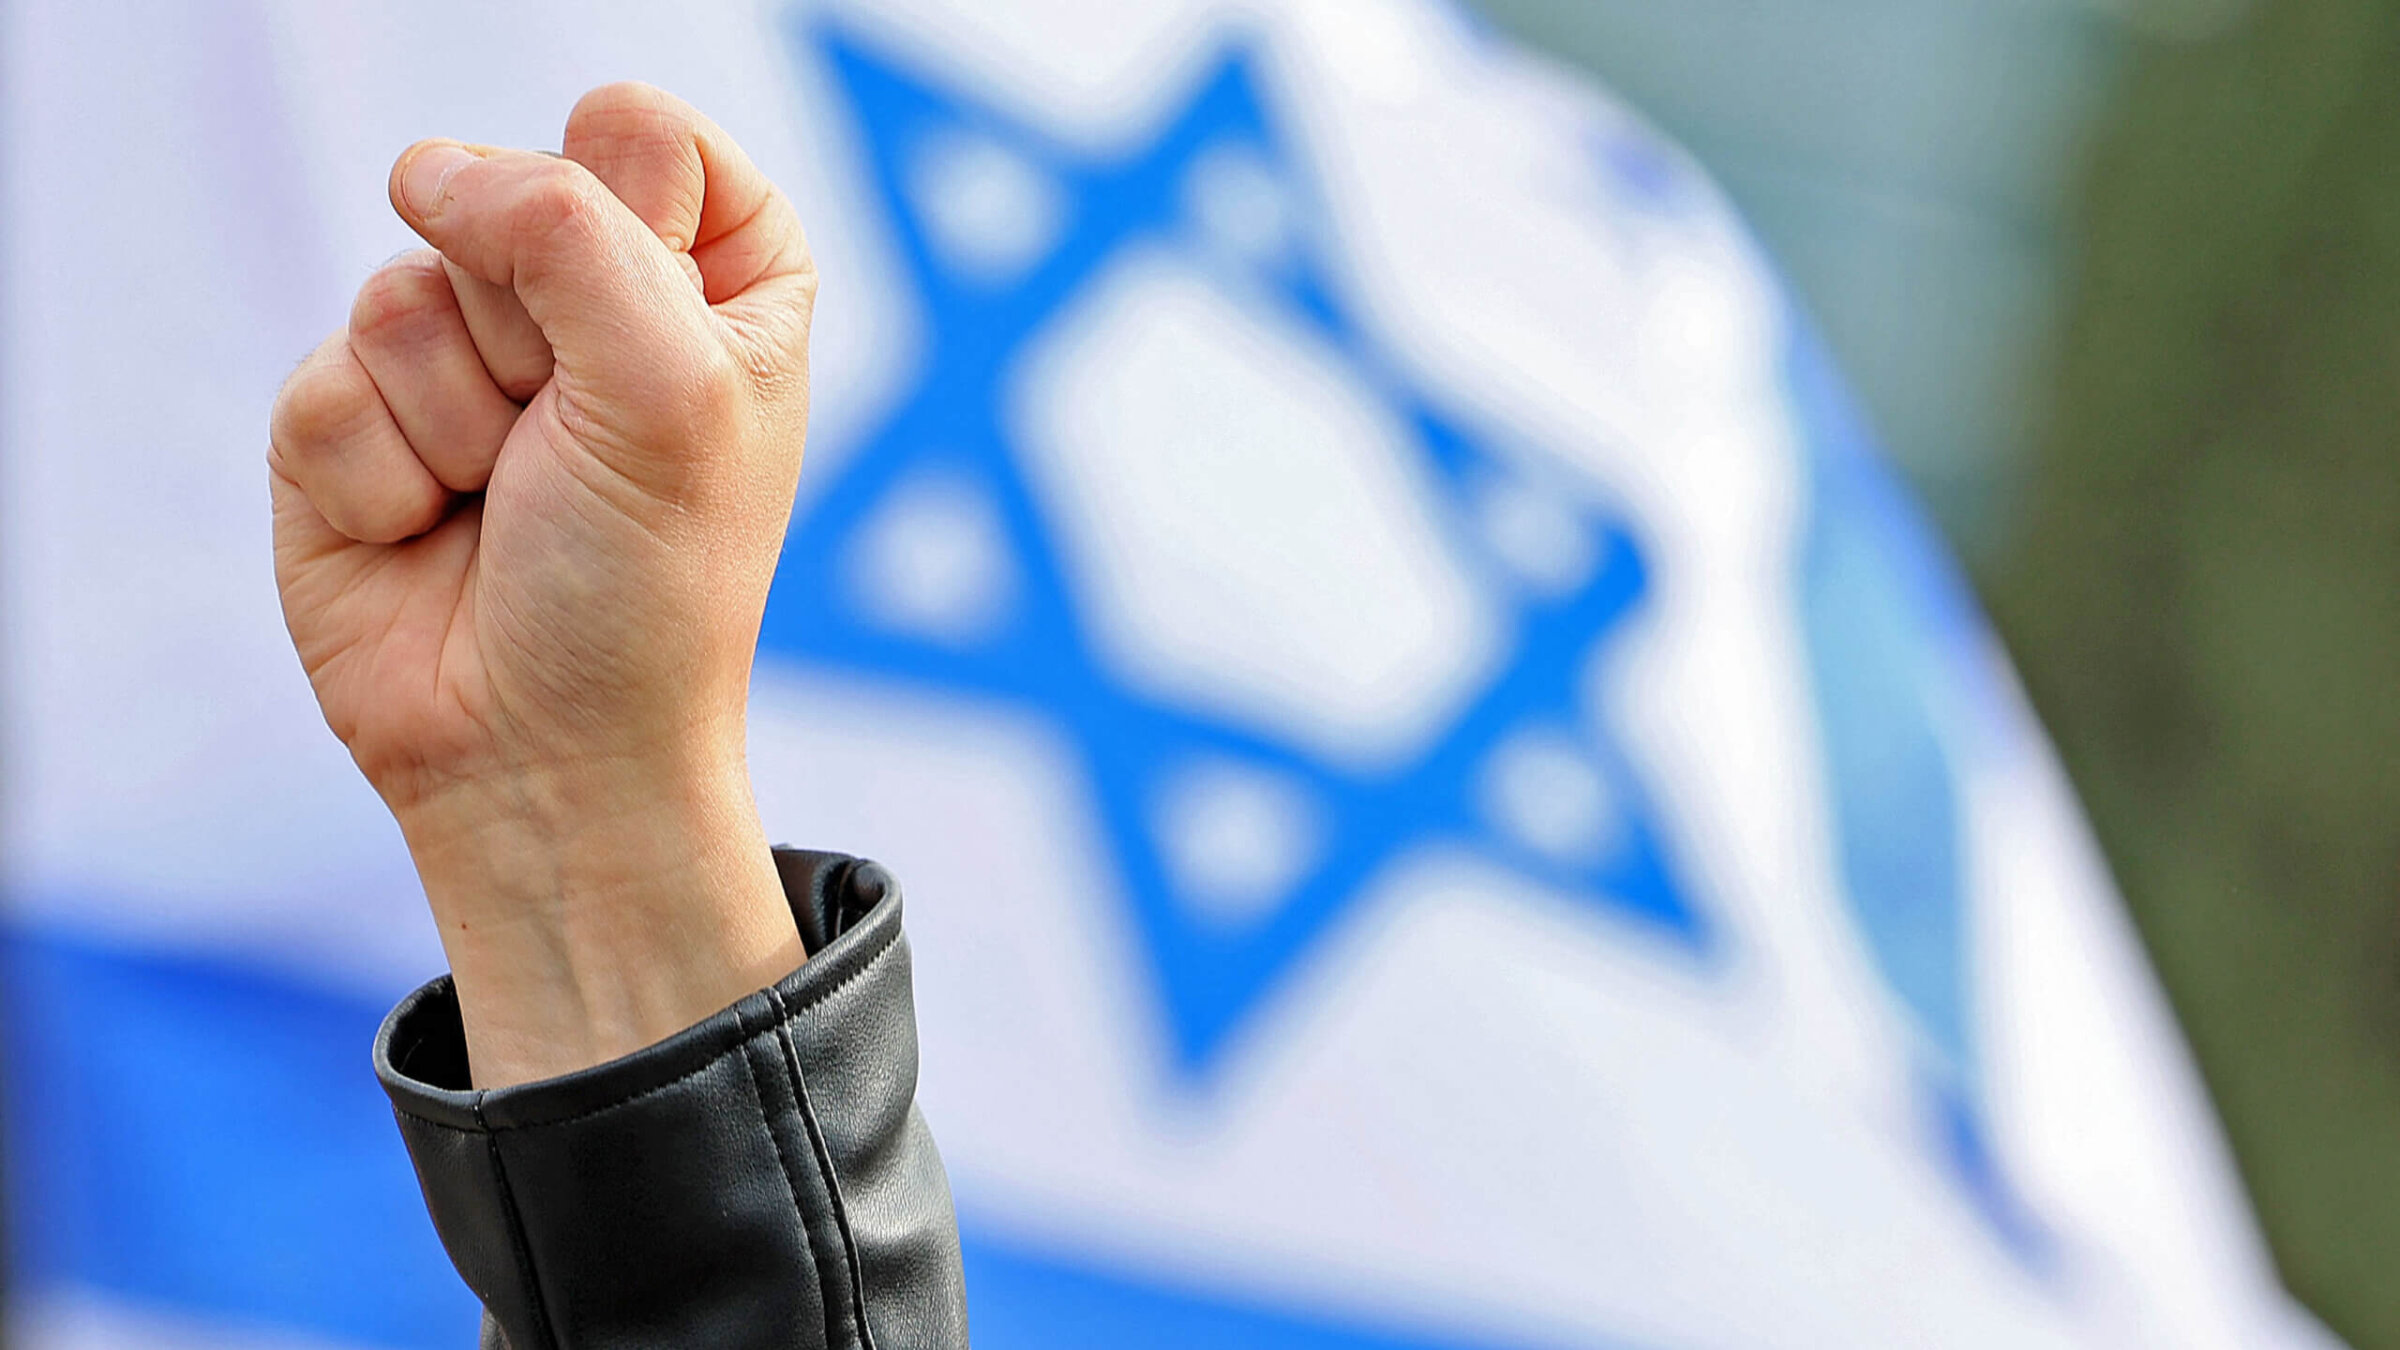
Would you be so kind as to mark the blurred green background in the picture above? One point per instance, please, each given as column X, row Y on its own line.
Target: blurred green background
column 2120, row 283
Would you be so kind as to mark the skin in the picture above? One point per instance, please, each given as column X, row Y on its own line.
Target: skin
column 527, row 504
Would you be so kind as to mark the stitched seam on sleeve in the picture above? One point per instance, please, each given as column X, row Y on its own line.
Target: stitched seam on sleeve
column 791, row 1182
column 482, row 1127
column 833, row 1184
column 518, row 1246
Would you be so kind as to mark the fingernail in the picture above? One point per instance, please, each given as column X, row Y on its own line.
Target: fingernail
column 427, row 172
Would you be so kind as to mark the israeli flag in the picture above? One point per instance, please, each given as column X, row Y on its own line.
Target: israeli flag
column 1447, row 799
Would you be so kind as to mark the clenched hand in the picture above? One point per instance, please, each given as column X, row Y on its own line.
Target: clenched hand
column 527, row 505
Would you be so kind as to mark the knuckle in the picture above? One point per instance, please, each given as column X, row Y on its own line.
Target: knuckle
column 719, row 380
column 559, row 201
column 703, row 397
column 400, row 296
column 716, row 392
column 316, row 407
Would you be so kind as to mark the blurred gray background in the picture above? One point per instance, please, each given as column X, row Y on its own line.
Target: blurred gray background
column 2119, row 283
column 1910, row 163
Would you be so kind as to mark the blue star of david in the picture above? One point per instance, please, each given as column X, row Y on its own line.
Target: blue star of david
column 1211, row 976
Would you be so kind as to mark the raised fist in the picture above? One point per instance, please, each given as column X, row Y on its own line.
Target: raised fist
column 527, row 506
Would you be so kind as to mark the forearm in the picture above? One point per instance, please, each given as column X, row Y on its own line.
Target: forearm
column 698, row 1191
column 589, row 914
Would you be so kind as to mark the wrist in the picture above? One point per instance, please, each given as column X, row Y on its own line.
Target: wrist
column 588, row 913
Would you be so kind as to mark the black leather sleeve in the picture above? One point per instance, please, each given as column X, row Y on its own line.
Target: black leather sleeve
column 761, row 1179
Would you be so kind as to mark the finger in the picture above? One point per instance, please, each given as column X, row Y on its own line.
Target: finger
column 600, row 286
column 332, row 437
column 510, row 342
column 686, row 179
column 302, row 536
column 407, row 330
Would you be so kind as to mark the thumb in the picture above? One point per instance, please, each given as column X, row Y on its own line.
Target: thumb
column 631, row 334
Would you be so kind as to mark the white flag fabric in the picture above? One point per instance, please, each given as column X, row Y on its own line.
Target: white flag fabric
column 1446, row 798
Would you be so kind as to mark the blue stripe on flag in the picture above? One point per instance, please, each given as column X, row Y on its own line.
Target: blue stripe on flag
column 186, row 1134
column 1016, row 1299
column 203, row 1138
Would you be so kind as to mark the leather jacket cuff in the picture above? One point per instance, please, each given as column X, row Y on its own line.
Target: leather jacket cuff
column 760, row 1179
